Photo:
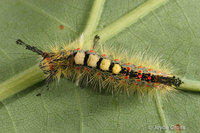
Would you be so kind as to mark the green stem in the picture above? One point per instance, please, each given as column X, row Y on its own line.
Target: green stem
column 127, row 20
column 94, row 17
column 160, row 110
column 190, row 85
column 21, row 81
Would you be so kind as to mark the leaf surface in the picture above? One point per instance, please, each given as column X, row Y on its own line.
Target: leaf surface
column 172, row 31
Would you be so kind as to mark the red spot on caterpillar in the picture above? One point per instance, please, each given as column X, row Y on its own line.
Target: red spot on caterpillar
column 98, row 73
column 149, row 69
column 140, row 76
column 61, row 27
column 128, row 68
column 140, row 67
column 51, row 67
column 77, row 68
column 48, row 59
column 86, row 69
column 149, row 78
column 110, row 77
column 123, row 81
column 140, row 71
column 128, row 63
column 78, row 49
column 116, row 59
column 91, row 51
column 103, row 55
column 138, row 80
column 126, row 77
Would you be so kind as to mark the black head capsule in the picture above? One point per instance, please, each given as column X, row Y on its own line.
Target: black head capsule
column 176, row 82
column 45, row 56
column 170, row 81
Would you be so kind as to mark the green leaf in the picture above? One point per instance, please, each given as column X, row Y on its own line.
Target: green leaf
column 171, row 31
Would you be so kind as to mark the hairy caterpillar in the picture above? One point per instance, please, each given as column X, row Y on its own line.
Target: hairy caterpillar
column 87, row 67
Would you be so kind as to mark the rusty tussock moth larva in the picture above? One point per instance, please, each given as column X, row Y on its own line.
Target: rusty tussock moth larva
column 89, row 68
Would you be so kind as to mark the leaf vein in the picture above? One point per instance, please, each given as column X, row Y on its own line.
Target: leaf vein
column 187, row 19
column 80, row 109
column 8, row 57
column 160, row 110
column 13, row 124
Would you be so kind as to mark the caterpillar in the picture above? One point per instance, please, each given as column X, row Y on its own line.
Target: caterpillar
column 89, row 68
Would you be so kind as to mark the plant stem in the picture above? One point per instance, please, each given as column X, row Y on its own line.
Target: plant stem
column 94, row 17
column 190, row 85
column 161, row 113
column 127, row 20
column 21, row 81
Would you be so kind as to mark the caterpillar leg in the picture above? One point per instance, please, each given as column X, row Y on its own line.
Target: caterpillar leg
column 84, row 82
column 95, row 42
column 47, row 82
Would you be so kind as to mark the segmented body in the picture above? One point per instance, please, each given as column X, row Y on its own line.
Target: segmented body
column 103, row 72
